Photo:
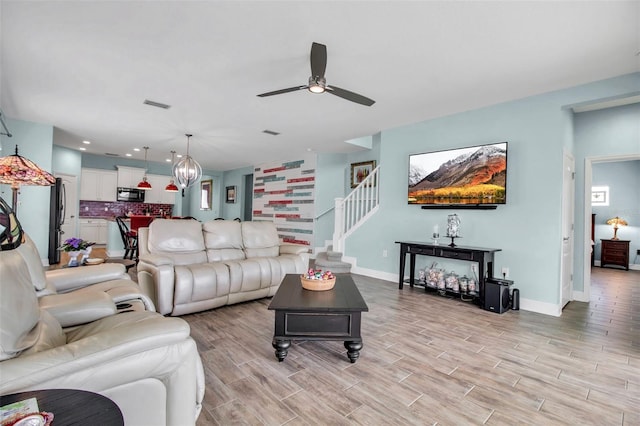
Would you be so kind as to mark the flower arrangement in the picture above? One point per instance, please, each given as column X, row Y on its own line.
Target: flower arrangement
column 75, row 244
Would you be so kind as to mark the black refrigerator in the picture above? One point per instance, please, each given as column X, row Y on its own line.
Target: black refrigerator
column 56, row 220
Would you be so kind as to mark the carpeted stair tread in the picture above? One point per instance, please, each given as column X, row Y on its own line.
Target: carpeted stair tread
column 337, row 266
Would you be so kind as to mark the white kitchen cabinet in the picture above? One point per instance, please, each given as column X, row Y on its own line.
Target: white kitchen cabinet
column 94, row 230
column 98, row 185
column 157, row 194
column 129, row 177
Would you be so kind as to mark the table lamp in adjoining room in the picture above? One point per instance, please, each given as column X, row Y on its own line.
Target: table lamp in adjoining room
column 616, row 222
column 15, row 170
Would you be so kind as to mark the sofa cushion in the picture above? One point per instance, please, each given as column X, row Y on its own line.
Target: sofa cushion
column 223, row 240
column 260, row 239
column 19, row 309
column 29, row 252
column 175, row 236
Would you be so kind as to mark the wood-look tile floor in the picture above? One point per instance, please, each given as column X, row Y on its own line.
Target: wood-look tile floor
column 431, row 360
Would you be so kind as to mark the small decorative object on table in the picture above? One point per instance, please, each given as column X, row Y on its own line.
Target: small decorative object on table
column 453, row 228
column 316, row 280
column 74, row 247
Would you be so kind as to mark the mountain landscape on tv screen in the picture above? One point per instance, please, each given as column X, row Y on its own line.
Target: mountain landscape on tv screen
column 478, row 177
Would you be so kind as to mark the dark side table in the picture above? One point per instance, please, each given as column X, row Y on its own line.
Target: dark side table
column 72, row 406
column 318, row 315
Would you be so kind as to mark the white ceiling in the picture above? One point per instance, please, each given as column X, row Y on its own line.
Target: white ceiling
column 86, row 68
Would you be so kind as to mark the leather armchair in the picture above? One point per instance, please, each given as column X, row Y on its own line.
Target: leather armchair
column 110, row 278
column 144, row 362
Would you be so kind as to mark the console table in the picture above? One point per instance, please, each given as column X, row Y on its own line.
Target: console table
column 482, row 256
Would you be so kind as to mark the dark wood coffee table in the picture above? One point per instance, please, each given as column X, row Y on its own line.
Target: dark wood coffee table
column 318, row 315
column 72, row 406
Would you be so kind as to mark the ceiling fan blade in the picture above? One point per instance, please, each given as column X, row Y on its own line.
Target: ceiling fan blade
column 318, row 59
column 350, row 96
column 281, row 91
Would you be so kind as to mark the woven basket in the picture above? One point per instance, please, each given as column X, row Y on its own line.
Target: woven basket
column 317, row 285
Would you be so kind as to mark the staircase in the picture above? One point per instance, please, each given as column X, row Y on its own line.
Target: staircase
column 349, row 214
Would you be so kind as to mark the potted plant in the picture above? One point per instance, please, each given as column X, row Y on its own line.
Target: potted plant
column 74, row 247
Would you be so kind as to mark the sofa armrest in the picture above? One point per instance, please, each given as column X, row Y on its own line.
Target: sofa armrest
column 156, row 278
column 287, row 248
column 74, row 309
column 68, row 279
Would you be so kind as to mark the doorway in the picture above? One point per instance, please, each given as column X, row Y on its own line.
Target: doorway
column 588, row 178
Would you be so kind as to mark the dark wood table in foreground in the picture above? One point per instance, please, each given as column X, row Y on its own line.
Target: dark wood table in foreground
column 318, row 315
column 72, row 407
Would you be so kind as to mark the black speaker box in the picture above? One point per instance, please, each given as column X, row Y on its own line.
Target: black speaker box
column 497, row 297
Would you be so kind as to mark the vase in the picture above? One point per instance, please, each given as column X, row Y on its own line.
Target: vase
column 85, row 255
column 73, row 258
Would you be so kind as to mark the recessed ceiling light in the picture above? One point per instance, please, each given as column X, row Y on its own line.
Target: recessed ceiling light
column 82, row 148
column 136, row 149
column 179, row 155
column 168, row 160
column 86, row 142
column 128, row 155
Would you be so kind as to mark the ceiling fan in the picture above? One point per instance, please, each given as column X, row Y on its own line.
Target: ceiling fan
column 317, row 82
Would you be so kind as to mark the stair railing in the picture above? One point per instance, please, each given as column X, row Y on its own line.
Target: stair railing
column 354, row 209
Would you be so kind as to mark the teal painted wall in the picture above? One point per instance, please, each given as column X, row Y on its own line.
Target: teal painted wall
column 528, row 227
column 331, row 179
column 35, row 143
column 623, row 180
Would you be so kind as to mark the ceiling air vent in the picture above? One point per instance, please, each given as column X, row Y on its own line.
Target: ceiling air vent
column 111, row 155
column 270, row 132
column 156, row 104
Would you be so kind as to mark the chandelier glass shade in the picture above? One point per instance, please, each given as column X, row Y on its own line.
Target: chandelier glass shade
column 171, row 187
column 144, row 184
column 187, row 171
column 15, row 170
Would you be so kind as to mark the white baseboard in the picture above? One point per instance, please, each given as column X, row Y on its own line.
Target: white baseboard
column 579, row 296
column 540, row 307
column 525, row 304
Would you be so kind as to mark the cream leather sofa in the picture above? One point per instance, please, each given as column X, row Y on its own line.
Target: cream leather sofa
column 146, row 363
column 187, row 266
column 110, row 278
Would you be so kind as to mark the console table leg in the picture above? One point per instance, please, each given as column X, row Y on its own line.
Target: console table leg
column 353, row 350
column 281, row 347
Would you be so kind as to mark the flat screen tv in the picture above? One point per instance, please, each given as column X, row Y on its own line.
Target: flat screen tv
column 470, row 176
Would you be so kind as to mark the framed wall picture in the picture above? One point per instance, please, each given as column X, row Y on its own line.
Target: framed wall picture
column 206, row 194
column 599, row 195
column 231, row 194
column 359, row 171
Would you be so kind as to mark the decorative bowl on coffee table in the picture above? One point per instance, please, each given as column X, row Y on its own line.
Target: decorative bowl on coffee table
column 317, row 285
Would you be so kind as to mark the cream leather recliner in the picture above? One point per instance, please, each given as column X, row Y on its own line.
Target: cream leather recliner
column 186, row 266
column 110, row 278
column 146, row 363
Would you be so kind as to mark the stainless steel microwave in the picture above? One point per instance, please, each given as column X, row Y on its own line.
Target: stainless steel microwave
column 131, row 194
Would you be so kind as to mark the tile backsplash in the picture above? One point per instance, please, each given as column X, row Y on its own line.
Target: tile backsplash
column 121, row 208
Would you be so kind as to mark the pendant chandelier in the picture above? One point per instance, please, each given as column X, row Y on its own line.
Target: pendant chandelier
column 187, row 171
column 143, row 183
column 172, row 186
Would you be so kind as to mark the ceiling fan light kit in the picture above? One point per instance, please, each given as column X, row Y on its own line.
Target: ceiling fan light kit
column 317, row 81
